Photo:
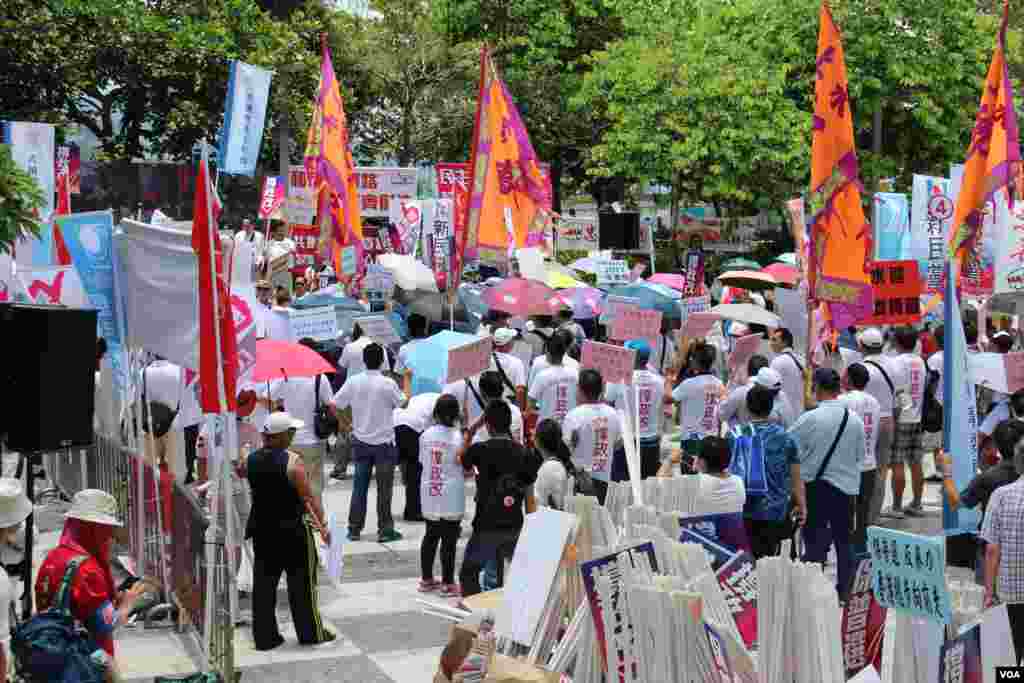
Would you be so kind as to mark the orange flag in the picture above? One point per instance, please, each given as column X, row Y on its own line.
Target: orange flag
column 993, row 154
column 509, row 194
column 329, row 167
column 840, row 235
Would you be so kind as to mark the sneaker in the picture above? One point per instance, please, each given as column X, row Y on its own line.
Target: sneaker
column 353, row 535
column 451, row 590
column 914, row 510
column 428, row 586
column 894, row 513
column 389, row 536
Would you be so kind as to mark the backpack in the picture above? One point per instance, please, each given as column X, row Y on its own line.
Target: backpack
column 747, row 461
column 325, row 422
column 52, row 647
column 931, row 409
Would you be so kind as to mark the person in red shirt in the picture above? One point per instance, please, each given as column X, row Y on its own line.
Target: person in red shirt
column 95, row 603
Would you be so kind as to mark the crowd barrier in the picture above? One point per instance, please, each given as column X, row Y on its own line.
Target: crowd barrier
column 167, row 543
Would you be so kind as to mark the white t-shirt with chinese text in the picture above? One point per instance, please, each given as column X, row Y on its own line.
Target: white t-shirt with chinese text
column 443, row 484
column 935, row 362
column 866, row 407
column 650, row 387
column 591, row 432
column 916, row 377
column 555, row 391
column 698, row 399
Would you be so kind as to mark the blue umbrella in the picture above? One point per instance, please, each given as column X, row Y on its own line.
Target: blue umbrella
column 328, row 298
column 648, row 297
column 428, row 359
column 662, row 289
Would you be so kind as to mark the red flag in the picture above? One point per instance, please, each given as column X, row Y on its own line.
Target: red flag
column 63, row 178
column 218, row 352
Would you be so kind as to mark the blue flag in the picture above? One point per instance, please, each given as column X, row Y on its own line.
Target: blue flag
column 960, row 431
column 244, row 115
column 892, row 227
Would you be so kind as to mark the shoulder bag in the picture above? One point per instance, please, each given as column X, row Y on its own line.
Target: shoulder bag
column 325, row 422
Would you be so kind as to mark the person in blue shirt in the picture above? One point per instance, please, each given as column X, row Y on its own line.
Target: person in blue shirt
column 766, row 516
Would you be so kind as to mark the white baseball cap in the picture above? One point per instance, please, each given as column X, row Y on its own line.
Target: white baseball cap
column 503, row 335
column 768, row 378
column 14, row 504
column 281, row 422
column 871, row 337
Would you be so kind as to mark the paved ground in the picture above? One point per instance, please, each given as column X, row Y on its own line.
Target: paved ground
column 382, row 634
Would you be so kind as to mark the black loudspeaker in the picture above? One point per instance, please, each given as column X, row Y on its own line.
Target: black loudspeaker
column 50, row 387
column 619, row 230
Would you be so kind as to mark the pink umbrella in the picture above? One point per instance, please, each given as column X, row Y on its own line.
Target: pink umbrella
column 519, row 296
column 278, row 359
column 673, row 280
column 783, row 273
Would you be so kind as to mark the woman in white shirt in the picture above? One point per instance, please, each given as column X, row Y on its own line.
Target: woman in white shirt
column 698, row 398
column 443, row 496
column 556, row 476
column 720, row 492
column 14, row 510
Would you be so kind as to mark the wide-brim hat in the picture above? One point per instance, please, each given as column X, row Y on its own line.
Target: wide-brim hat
column 93, row 505
column 15, row 507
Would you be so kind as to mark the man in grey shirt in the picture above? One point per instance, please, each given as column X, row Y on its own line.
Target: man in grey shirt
column 830, row 446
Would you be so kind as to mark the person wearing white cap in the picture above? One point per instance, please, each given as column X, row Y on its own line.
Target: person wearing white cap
column 791, row 366
column 511, row 369
column 734, row 409
column 283, row 505
column 83, row 556
column 14, row 509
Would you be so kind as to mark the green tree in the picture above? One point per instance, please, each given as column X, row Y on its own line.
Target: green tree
column 20, row 199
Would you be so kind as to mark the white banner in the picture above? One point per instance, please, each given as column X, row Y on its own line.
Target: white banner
column 53, row 285
column 319, row 324
column 32, row 147
column 931, row 218
column 245, row 111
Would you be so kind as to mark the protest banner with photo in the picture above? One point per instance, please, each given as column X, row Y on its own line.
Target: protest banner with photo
column 613, row 272
column 580, row 234
column 931, row 221
column 636, row 323
column 306, row 238
column 244, row 113
column 379, row 328
column 300, row 204
column 738, row 580
column 32, row 147
column 320, row 323
column 960, row 661
column 896, row 290
column 891, row 225
column 449, row 176
column 699, row 324
column 380, row 187
column 615, row 363
column 409, row 224
column 863, row 626
column 908, row 573
column 469, row 359
column 1009, row 249
column 272, row 199
column 977, row 274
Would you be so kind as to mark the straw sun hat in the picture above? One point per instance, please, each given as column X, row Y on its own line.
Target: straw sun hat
column 93, row 505
column 14, row 504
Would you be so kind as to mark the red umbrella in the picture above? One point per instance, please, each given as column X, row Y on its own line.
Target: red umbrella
column 278, row 359
column 519, row 296
column 783, row 273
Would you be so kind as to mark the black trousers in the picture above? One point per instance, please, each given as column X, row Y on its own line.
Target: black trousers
column 863, row 511
column 292, row 552
column 766, row 536
column 446, row 532
column 408, row 442
column 483, row 547
column 191, row 437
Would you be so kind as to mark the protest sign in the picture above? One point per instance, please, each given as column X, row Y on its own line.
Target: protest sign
column 694, row 304
column 320, row 323
column 379, row 328
column 379, row 285
column 348, row 261
column 742, row 350
column 613, row 272
column 724, row 528
column 960, row 661
column 896, row 287
column 990, row 370
column 579, row 234
column 1009, row 247
column 695, row 273
column 32, row 148
column 615, row 363
column 636, row 323
column 613, row 304
column 1014, row 364
column 449, row 176
column 931, row 221
column 300, row 204
column 272, row 199
column 244, row 113
column 380, row 187
column 699, row 324
column 977, row 272
column 863, row 624
column 738, row 581
column 892, row 226
column 306, row 238
column 441, row 242
column 600, row 610
column 908, row 573
column 469, row 359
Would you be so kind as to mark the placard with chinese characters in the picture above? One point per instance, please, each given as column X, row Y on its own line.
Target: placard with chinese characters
column 738, row 581
column 908, row 573
column 694, row 304
column 614, row 272
column 613, row 304
column 306, row 254
column 863, row 626
column 615, row 363
column 320, row 323
column 300, row 204
column 637, row 323
column 897, row 291
column 380, row 187
column 449, row 176
column 699, row 324
column 469, row 359
column 379, row 328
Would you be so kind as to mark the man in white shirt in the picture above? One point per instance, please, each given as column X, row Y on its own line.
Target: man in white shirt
column 650, row 388
column 352, row 355
column 164, row 382
column 553, row 392
column 543, row 362
column 719, row 491
column 791, row 366
column 510, row 368
column 699, row 398
column 885, row 375
column 373, row 399
column 734, row 409
column 591, row 430
column 907, row 448
column 249, row 234
column 867, row 408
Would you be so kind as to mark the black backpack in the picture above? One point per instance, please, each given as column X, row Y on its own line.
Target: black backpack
column 325, row 422
column 931, row 409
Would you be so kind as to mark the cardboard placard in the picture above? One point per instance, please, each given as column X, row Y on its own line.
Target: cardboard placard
column 306, row 238
column 908, row 573
column 379, row 328
column 896, row 289
column 1014, row 372
column 636, row 323
column 694, row 304
column 615, row 363
column 738, row 580
column 469, row 359
column 742, row 350
column 699, row 324
column 613, row 304
column 320, row 323
column 863, row 626
column 613, row 272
